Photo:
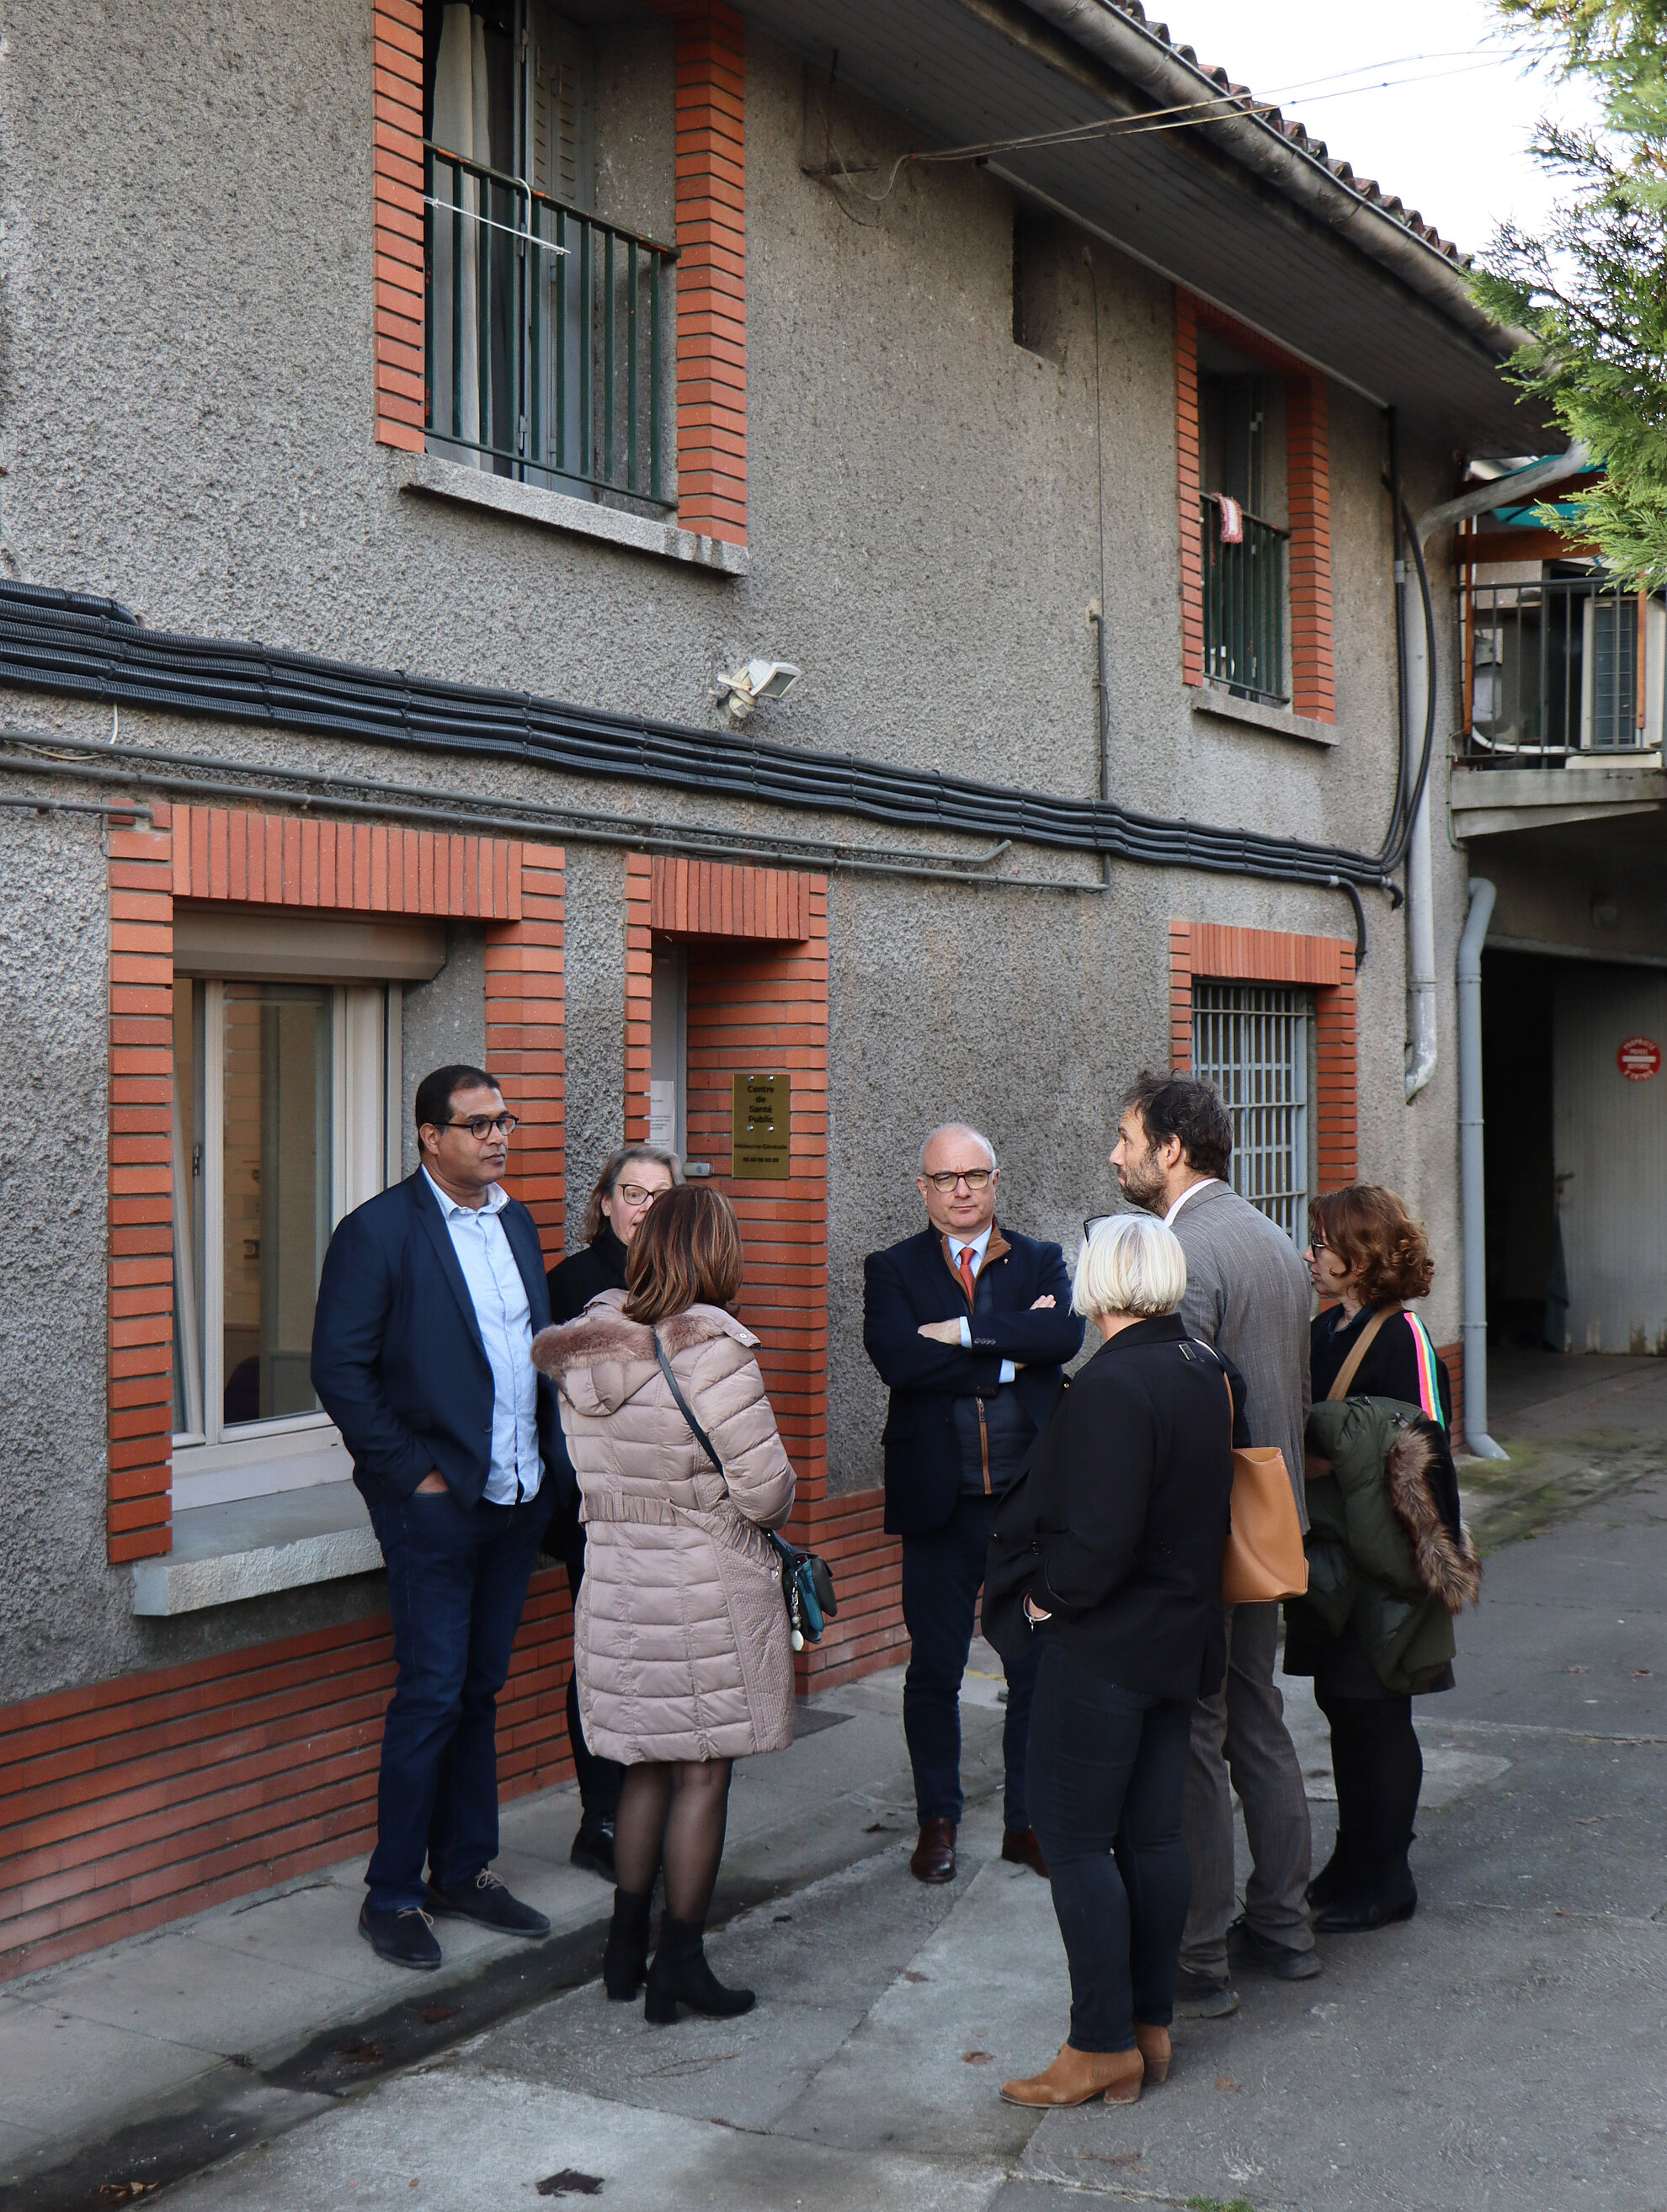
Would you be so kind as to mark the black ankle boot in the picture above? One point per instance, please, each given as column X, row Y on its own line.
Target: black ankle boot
column 1385, row 1894
column 1339, row 1875
column 625, row 1961
column 680, row 1975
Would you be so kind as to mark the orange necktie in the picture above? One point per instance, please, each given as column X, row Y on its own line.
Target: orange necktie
column 964, row 1267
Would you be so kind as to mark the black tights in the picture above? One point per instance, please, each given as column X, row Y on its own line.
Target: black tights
column 673, row 1813
column 1379, row 1771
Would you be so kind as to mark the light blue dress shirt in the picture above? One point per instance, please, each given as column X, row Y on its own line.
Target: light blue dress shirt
column 499, row 1296
column 978, row 1246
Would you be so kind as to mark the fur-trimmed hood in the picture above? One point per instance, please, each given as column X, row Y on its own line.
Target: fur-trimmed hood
column 1449, row 1566
column 601, row 1360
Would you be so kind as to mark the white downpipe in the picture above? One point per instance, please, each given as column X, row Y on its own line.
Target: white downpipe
column 1420, row 891
column 1473, row 1218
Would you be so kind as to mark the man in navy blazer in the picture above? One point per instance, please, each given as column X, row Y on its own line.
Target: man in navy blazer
column 969, row 1325
column 430, row 1297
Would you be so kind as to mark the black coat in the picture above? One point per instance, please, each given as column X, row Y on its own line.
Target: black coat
column 914, row 1282
column 397, row 1359
column 1339, row 1664
column 1389, row 1370
column 1123, row 1515
column 575, row 1281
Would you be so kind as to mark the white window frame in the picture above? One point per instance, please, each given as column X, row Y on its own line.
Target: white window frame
column 212, row 1465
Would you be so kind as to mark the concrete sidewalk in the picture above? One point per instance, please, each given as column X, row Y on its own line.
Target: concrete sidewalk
column 1502, row 2050
column 1500, row 2053
column 148, row 2058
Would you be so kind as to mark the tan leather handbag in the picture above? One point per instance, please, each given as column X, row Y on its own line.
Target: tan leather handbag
column 1265, row 1560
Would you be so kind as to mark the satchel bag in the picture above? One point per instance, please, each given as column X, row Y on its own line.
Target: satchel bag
column 807, row 1583
column 1315, row 1464
column 1265, row 1560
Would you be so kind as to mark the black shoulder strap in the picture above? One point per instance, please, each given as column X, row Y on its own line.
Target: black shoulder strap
column 694, row 1428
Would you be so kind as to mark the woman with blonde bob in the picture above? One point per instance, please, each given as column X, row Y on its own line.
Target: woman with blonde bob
column 681, row 1635
column 1109, row 1553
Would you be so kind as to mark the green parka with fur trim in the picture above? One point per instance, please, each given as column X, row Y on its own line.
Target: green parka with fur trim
column 1381, row 1558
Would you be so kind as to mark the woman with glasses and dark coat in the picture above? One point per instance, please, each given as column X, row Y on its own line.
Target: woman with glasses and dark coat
column 1108, row 1558
column 1389, row 1560
column 631, row 1180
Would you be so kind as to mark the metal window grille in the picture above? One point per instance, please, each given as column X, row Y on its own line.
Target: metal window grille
column 1244, row 592
column 1252, row 1042
column 1558, row 668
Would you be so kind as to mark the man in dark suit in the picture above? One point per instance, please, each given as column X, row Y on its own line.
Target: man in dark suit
column 427, row 1305
column 970, row 1326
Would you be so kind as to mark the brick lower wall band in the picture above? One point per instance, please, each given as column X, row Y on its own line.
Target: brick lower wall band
column 128, row 1803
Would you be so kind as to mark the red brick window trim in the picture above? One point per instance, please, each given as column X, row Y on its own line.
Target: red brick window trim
column 757, row 942
column 1308, row 499
column 1326, row 964
column 397, row 174
column 710, row 194
column 275, row 860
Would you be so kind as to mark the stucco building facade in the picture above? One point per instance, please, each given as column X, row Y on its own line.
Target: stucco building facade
column 505, row 455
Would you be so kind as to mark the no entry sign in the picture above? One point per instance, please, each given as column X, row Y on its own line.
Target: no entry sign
column 1638, row 1059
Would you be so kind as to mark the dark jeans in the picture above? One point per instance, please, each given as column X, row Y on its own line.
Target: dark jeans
column 457, row 1582
column 1379, row 1771
column 1108, row 1775
column 942, row 1574
column 599, row 1779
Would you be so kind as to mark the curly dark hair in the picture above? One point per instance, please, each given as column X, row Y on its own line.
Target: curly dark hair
column 1377, row 1241
column 1182, row 1106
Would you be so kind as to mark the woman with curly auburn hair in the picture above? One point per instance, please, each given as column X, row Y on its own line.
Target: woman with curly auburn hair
column 1389, row 1560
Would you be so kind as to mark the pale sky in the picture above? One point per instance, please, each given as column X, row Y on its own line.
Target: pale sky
column 1446, row 109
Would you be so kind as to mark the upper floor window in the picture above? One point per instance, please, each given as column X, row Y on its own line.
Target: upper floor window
column 1565, row 666
column 1242, row 519
column 549, row 338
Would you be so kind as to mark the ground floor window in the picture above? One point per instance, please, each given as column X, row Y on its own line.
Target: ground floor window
column 1255, row 1043
column 281, row 1125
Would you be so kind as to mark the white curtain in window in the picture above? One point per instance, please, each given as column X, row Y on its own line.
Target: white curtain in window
column 460, row 126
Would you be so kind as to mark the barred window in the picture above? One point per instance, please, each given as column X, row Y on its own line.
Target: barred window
column 1253, row 1042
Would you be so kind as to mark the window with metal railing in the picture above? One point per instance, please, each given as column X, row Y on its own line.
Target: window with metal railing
column 1244, row 595
column 1560, row 668
column 1255, row 1042
column 548, row 354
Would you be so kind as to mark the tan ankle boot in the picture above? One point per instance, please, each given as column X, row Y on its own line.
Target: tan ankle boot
column 1153, row 2044
column 1077, row 2077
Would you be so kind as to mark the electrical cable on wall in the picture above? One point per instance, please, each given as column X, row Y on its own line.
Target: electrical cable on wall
column 92, row 649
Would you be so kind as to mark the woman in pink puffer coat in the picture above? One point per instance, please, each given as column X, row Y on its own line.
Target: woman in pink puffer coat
column 681, row 1645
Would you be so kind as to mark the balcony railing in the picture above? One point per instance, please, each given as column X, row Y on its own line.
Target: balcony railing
column 546, row 340
column 1244, row 606
column 1560, row 669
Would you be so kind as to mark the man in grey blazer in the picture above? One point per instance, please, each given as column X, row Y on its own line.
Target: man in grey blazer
column 1248, row 1295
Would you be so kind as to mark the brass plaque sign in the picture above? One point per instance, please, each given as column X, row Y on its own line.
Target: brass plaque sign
column 763, row 1113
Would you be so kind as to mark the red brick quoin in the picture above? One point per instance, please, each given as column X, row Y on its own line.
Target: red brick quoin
column 756, row 942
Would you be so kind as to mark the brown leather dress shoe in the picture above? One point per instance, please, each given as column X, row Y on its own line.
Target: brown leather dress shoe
column 1077, row 2077
column 934, row 1854
column 1020, row 1848
column 1153, row 2044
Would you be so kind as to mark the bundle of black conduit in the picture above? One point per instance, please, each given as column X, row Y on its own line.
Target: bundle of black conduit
column 82, row 647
